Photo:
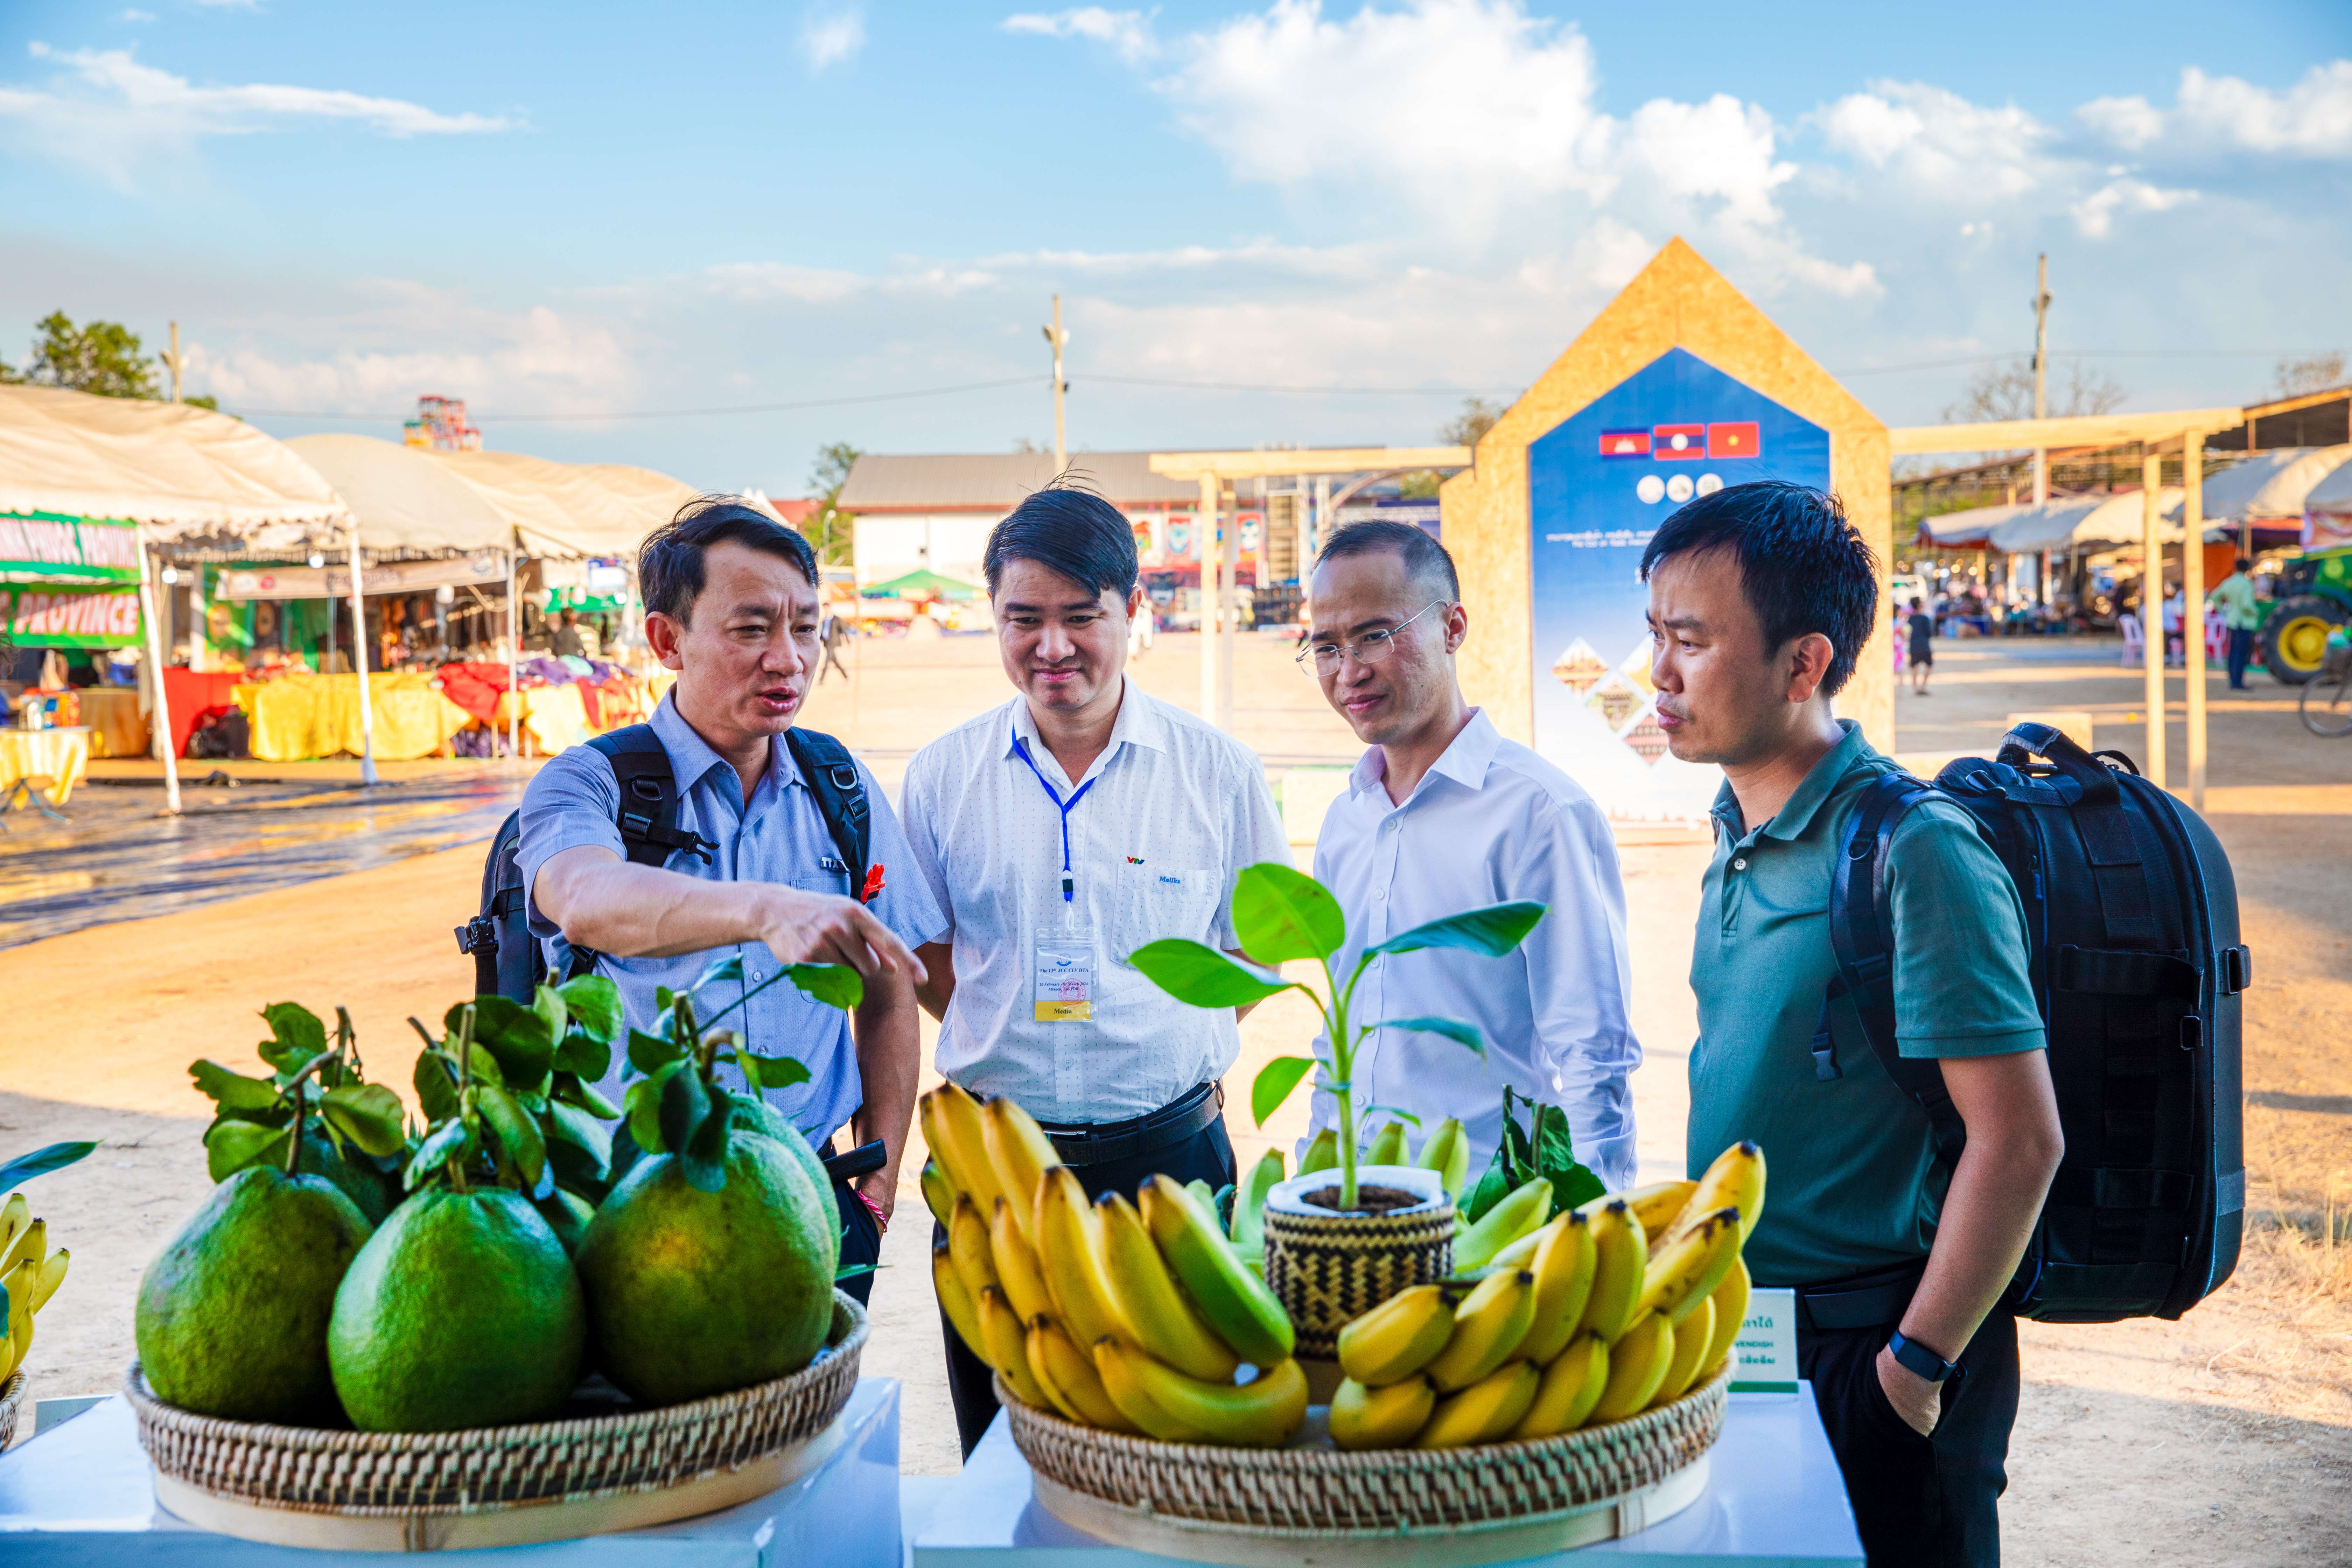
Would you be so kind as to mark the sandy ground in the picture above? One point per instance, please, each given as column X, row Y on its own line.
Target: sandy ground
column 2225, row 1438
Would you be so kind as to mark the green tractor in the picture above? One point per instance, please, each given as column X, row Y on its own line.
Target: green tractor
column 2315, row 597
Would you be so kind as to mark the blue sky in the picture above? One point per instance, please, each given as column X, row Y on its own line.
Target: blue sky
column 588, row 210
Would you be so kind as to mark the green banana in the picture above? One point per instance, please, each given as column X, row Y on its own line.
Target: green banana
column 1386, row 1417
column 1164, row 1323
column 1235, row 1303
column 1485, row 1411
column 1258, row 1415
column 1488, row 1330
column 1571, row 1386
column 1388, row 1146
column 1116, row 1364
column 1249, row 1203
column 1206, row 1197
column 1323, row 1154
column 1448, row 1153
column 1521, row 1210
column 1563, row 1267
column 1398, row 1338
column 939, row 1194
column 1617, row 1264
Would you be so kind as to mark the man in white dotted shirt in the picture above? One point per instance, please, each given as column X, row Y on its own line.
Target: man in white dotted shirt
column 1060, row 832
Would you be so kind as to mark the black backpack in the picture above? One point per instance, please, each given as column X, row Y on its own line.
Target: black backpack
column 508, row 960
column 2132, row 913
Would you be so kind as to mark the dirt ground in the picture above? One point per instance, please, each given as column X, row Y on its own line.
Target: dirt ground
column 2224, row 1439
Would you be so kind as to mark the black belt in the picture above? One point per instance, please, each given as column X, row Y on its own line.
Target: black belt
column 1862, row 1301
column 1100, row 1143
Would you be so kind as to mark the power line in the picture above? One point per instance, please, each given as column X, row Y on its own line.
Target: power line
column 2086, row 354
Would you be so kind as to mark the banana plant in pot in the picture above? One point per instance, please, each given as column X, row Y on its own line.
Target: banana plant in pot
column 1330, row 1261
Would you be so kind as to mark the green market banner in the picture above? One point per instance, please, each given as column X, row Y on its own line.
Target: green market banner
column 62, row 616
column 49, row 545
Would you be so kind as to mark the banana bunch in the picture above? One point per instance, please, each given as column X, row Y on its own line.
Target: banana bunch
column 29, row 1274
column 1139, row 1317
column 1612, row 1309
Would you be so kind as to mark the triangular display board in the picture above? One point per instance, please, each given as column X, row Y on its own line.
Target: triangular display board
column 1679, row 387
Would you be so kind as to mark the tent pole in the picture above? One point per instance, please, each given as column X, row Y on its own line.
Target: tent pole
column 2151, row 608
column 1207, row 548
column 514, row 642
column 162, row 717
column 360, row 663
column 2192, row 603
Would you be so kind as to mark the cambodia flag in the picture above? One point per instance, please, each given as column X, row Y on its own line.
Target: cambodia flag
column 1678, row 443
column 1624, row 443
column 1734, row 440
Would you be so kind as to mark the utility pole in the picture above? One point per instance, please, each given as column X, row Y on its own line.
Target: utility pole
column 1060, row 339
column 172, row 361
column 2042, row 375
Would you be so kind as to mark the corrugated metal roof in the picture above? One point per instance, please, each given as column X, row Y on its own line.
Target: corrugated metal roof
column 998, row 481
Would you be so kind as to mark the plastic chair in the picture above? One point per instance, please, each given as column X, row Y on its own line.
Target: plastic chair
column 2135, row 640
column 2217, row 638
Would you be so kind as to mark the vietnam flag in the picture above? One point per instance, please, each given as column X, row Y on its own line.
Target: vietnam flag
column 1735, row 440
column 1678, row 443
column 1624, row 443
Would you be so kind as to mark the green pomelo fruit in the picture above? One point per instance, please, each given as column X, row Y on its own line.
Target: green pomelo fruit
column 760, row 1117
column 360, row 1179
column 567, row 1214
column 232, row 1318
column 462, row 1311
column 694, row 1293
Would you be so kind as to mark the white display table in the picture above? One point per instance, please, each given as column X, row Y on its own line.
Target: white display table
column 1773, row 1498
column 83, row 1493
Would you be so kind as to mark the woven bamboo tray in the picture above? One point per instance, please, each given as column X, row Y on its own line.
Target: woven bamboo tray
column 499, row 1485
column 12, row 1395
column 1314, row 1504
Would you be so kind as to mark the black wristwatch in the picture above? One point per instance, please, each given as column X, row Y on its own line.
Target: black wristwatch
column 1918, row 1358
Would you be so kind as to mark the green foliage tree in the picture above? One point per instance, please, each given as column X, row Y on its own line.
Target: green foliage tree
column 103, row 357
column 832, row 531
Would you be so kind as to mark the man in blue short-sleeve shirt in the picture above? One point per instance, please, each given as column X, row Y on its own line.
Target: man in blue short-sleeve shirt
column 731, row 605
column 1761, row 596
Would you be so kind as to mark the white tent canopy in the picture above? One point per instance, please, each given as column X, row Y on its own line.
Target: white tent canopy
column 603, row 510
column 1967, row 530
column 2332, row 495
column 2038, row 528
column 404, row 499
column 2268, row 485
column 177, row 469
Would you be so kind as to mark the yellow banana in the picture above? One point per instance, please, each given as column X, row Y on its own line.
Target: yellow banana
column 1249, row 1203
column 1386, row 1417
column 1571, row 1386
column 53, row 1274
column 1731, row 1303
column 1163, row 1322
column 1116, row 1364
column 1736, row 1180
column 1070, row 1378
column 1019, row 1152
column 1031, row 1341
column 1448, row 1153
column 1070, row 1256
column 1564, row 1267
column 965, row 1153
column 1388, row 1146
column 968, row 1245
column 1617, row 1270
column 1522, row 1210
column 32, row 1242
column 1323, row 1154
column 935, row 1139
column 1259, row 1415
column 1485, row 1411
column 1397, row 1337
column 1658, row 1205
column 938, row 1192
column 18, row 1282
column 1235, row 1303
column 956, row 1301
column 1521, row 1253
column 1008, row 1347
column 1488, row 1329
column 1637, row 1364
column 1692, row 1336
column 1686, row 1272
column 1016, row 1265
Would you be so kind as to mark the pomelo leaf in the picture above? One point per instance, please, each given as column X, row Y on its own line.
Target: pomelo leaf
column 727, row 968
column 296, row 1035
column 516, row 1132
column 570, row 1090
column 368, row 1114
column 650, row 1053
column 516, row 1035
column 435, row 1081
column 834, row 982
column 232, row 1090
column 685, row 1103
column 583, row 1056
column 549, row 1005
column 447, row 1143
column 595, row 1005
column 231, row 1146
column 771, row 1072
column 570, row 1125
column 642, row 1106
column 485, row 1067
column 704, row 1161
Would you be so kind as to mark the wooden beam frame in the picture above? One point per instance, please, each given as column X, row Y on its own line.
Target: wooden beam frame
column 2082, row 430
column 1328, row 460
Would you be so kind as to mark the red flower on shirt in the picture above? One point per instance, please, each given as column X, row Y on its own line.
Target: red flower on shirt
column 873, row 889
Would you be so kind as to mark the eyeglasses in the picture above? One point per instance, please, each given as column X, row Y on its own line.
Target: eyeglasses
column 1323, row 658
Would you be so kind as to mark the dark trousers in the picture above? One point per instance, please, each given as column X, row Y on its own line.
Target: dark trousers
column 2242, row 654
column 1932, row 1501
column 1206, row 1156
column 861, row 1241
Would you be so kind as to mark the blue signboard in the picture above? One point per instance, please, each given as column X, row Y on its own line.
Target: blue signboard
column 1599, row 485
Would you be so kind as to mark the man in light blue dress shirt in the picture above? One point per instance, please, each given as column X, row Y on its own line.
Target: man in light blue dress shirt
column 731, row 605
column 1444, row 814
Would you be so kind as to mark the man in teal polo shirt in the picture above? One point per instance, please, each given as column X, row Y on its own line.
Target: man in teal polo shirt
column 1761, row 597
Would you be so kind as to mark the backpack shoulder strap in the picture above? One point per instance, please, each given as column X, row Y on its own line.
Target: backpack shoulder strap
column 1862, row 933
column 648, row 817
column 832, row 776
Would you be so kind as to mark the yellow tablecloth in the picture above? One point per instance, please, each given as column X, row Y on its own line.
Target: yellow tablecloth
column 298, row 716
column 553, row 716
column 61, row 755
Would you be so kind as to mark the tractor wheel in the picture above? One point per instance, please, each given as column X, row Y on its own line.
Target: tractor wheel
column 2294, row 639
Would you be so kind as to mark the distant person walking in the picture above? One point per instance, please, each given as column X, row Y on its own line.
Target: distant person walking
column 1923, row 647
column 2242, row 615
column 834, row 633
column 566, row 643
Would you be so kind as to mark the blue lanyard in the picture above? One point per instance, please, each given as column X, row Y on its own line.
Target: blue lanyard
column 1069, row 886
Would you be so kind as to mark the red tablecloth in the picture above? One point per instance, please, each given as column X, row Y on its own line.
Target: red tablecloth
column 193, row 694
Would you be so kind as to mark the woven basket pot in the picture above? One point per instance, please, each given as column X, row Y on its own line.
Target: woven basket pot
column 1327, row 1269
column 499, row 1485
column 12, row 1395
column 1312, row 1503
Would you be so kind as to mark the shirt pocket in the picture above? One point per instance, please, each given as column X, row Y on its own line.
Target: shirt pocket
column 834, row 882
column 1161, row 902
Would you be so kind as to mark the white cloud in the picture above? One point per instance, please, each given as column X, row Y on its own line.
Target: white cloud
column 138, row 16
column 2312, row 118
column 2130, row 123
column 827, row 40
column 1937, row 143
column 2095, row 214
column 231, row 5
column 1127, row 32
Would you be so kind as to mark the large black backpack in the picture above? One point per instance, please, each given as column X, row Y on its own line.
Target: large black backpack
column 509, row 961
column 2132, row 913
